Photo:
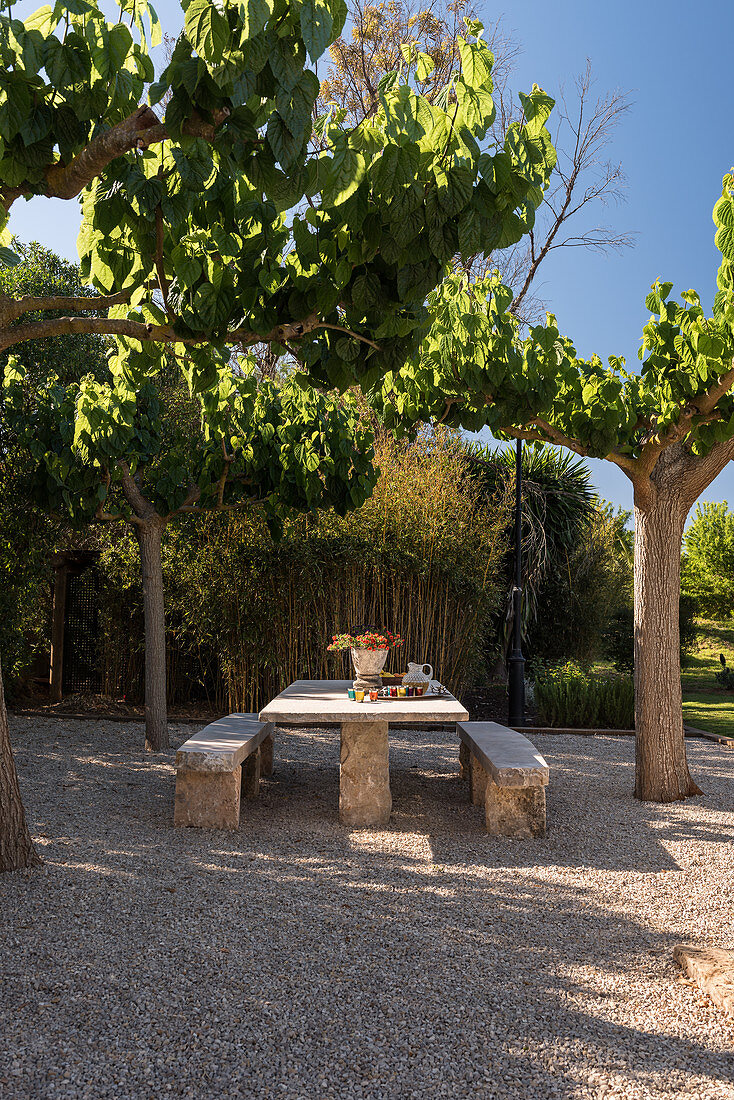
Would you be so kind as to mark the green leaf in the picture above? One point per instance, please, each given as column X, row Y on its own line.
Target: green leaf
column 397, row 166
column 724, row 241
column 207, row 29
column 470, row 240
column 537, row 108
column 316, row 27
column 476, row 106
column 724, row 212
column 8, row 258
column 339, row 13
column 254, row 15
column 286, row 145
column 424, row 67
column 43, row 20
column 366, row 292
column 343, row 173
column 476, row 64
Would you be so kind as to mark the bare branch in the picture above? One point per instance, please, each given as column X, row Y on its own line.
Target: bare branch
column 590, row 127
column 348, row 331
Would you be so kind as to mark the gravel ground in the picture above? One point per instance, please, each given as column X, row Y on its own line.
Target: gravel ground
column 297, row 960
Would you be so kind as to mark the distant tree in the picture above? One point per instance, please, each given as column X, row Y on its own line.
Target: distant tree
column 43, row 275
column 421, row 44
column 133, row 450
column 27, row 534
column 708, row 560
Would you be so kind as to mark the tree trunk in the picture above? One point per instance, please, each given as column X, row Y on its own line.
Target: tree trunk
column 661, row 768
column 149, row 535
column 16, row 846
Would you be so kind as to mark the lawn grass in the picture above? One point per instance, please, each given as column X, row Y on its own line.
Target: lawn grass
column 705, row 703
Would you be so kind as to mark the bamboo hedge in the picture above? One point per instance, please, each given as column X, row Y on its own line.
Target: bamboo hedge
column 246, row 616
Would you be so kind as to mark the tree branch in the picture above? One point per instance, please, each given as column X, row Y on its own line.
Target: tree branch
column 139, row 130
column 703, row 406
column 12, row 308
column 138, row 330
column 340, row 328
column 144, row 510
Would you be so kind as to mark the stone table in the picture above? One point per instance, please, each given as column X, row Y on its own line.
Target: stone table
column 364, row 771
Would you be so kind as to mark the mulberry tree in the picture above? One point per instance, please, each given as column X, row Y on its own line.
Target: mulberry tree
column 669, row 427
column 207, row 221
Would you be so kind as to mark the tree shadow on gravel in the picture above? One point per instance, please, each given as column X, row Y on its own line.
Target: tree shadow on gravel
column 427, row 959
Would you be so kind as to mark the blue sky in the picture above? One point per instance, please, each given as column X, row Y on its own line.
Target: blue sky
column 675, row 143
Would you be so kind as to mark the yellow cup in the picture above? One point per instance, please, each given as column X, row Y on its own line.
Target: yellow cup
column 359, row 695
column 402, row 692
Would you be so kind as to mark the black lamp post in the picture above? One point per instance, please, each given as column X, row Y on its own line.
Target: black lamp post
column 516, row 661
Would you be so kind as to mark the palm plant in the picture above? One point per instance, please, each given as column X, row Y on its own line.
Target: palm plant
column 559, row 505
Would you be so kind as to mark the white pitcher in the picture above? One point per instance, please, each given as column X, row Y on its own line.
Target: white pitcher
column 416, row 674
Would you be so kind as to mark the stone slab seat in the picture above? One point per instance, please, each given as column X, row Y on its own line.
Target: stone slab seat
column 507, row 775
column 218, row 767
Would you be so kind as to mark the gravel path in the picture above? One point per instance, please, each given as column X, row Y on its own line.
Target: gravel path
column 296, row 960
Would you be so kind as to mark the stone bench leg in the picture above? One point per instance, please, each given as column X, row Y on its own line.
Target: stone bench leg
column 464, row 760
column 364, row 775
column 478, row 779
column 266, row 755
column 251, row 769
column 515, row 811
column 209, row 800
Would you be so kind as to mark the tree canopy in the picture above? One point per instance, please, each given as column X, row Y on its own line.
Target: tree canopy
column 278, row 445
column 185, row 229
column 475, row 369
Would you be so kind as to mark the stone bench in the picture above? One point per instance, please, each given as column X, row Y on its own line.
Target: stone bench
column 507, row 775
column 218, row 767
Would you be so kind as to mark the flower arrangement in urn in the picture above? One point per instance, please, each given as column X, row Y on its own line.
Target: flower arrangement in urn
column 369, row 649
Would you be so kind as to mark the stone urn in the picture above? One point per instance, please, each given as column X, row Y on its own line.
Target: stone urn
column 368, row 664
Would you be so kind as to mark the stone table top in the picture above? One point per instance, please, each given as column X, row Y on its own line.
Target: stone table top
column 307, row 701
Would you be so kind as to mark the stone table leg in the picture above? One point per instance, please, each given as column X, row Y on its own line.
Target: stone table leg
column 364, row 775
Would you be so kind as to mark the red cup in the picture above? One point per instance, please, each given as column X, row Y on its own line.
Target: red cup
column 393, row 692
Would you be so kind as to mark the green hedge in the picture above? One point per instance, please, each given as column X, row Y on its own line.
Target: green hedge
column 569, row 697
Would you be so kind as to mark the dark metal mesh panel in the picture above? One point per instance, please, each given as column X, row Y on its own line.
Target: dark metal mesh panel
column 82, row 670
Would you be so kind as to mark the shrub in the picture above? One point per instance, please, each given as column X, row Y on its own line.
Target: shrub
column 725, row 676
column 568, row 696
column 618, row 642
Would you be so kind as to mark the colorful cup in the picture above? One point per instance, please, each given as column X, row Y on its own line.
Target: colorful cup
column 393, row 692
column 410, row 690
column 374, row 693
column 402, row 692
column 350, row 693
column 359, row 695
column 419, row 689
